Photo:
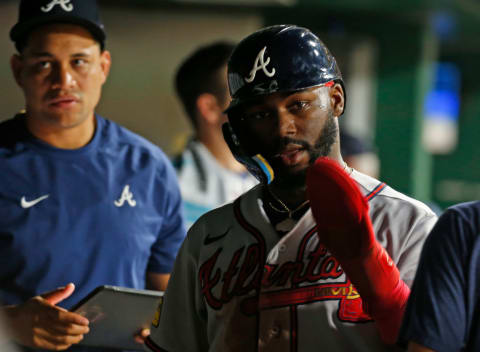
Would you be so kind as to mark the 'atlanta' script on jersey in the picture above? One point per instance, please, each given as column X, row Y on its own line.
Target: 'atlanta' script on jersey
column 314, row 276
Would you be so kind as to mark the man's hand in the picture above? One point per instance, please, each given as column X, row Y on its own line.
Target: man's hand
column 344, row 227
column 141, row 335
column 340, row 210
column 39, row 323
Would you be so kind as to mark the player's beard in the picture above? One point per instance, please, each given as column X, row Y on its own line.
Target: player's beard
column 327, row 138
column 322, row 147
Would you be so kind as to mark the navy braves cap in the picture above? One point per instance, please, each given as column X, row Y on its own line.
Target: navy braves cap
column 33, row 13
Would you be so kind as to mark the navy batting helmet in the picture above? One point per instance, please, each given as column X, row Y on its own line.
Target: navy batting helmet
column 281, row 58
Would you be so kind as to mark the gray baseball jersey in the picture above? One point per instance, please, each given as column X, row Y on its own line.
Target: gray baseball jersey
column 238, row 286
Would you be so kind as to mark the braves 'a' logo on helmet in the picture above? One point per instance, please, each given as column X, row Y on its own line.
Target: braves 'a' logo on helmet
column 260, row 64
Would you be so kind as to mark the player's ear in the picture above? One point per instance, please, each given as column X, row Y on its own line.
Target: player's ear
column 337, row 99
column 105, row 63
column 208, row 107
column 16, row 65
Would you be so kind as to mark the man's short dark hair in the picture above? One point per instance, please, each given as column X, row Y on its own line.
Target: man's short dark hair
column 201, row 73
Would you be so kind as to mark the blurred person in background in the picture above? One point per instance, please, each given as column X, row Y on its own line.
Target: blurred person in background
column 208, row 173
column 83, row 200
column 443, row 311
column 359, row 154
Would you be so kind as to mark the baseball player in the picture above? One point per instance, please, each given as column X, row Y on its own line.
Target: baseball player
column 83, row 200
column 316, row 257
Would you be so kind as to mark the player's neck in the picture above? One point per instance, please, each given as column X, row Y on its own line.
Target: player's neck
column 295, row 195
column 292, row 197
column 283, row 214
column 63, row 137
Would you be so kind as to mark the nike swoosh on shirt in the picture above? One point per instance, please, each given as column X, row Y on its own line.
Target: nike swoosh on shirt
column 30, row 203
column 209, row 240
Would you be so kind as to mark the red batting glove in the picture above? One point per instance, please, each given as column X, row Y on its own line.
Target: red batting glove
column 344, row 227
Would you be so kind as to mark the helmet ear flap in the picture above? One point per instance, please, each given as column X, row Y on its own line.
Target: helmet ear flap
column 256, row 165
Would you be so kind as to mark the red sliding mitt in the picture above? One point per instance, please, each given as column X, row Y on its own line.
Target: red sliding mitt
column 344, row 227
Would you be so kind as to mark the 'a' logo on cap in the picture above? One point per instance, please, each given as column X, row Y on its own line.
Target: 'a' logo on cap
column 260, row 63
column 65, row 4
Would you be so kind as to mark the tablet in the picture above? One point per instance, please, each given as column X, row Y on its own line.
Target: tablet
column 116, row 314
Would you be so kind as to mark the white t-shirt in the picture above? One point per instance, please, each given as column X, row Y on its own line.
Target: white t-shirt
column 205, row 184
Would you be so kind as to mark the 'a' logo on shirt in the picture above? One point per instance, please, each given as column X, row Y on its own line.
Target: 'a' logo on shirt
column 126, row 196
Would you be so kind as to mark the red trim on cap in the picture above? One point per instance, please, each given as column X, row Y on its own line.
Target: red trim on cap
column 329, row 84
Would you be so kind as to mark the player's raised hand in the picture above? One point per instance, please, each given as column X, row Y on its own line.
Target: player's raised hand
column 39, row 323
column 344, row 227
column 340, row 210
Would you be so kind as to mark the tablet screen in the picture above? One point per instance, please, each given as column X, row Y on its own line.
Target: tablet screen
column 116, row 314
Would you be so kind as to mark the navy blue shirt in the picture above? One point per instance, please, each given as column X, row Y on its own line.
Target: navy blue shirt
column 104, row 214
column 443, row 309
